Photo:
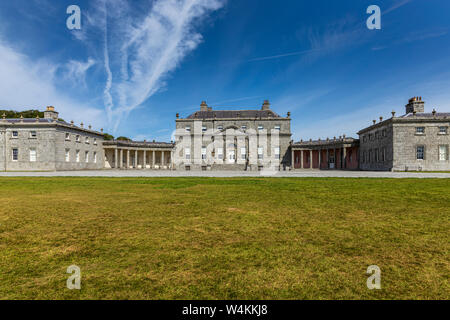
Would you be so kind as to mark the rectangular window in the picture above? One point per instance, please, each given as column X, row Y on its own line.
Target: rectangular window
column 188, row 128
column 243, row 128
column 204, row 129
column 219, row 127
column 67, row 136
column 33, row 134
column 86, row 156
column 67, row 155
column 15, row 154
column 95, row 141
column 443, row 153
column 78, row 156
column 278, row 128
column 204, row 153
column 420, row 153
column 187, row 153
column 384, row 133
column 15, row 134
column 260, row 153
column 220, row 153
column 260, row 127
column 383, row 155
column 376, row 156
column 243, row 153
column 231, row 155
column 442, row 130
column 370, row 156
column 95, row 157
column 33, row 155
column 77, row 139
column 420, row 130
column 276, row 151
column 87, row 140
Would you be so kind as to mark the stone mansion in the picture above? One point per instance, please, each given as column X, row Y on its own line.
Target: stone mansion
column 258, row 139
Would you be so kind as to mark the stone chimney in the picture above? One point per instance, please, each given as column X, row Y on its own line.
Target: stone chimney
column 415, row 105
column 266, row 105
column 203, row 106
column 50, row 113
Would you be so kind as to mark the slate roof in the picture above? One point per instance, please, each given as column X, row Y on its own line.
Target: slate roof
column 239, row 114
column 139, row 144
column 426, row 115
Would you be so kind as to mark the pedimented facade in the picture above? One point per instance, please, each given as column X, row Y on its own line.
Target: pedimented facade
column 233, row 140
column 244, row 140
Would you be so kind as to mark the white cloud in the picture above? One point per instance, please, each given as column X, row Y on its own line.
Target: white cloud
column 75, row 71
column 25, row 84
column 139, row 53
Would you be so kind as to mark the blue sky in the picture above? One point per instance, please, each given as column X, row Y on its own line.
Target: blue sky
column 135, row 64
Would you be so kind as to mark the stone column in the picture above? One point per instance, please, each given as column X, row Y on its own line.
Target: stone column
column 144, row 166
column 310, row 159
column 328, row 159
column 301, row 159
column 162, row 159
column 135, row 164
column 344, row 152
column 116, row 160
column 292, row 159
column 320, row 158
column 121, row 159
column 128, row 159
column 153, row 159
column 335, row 159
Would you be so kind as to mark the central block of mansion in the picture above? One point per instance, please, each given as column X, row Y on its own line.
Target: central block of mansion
column 209, row 139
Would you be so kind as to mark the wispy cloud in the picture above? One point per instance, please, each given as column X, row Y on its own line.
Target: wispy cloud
column 140, row 53
column 283, row 55
column 396, row 5
column 75, row 71
column 414, row 37
column 27, row 83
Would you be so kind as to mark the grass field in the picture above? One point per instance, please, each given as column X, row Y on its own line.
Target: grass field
column 207, row 238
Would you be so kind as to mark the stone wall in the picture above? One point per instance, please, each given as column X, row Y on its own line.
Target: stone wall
column 378, row 140
column 406, row 141
column 224, row 133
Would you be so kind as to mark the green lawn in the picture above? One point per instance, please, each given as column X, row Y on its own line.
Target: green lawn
column 240, row 238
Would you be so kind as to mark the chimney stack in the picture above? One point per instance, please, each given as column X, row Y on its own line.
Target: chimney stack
column 266, row 105
column 203, row 106
column 50, row 113
column 415, row 105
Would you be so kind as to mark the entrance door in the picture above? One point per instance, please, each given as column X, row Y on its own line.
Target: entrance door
column 332, row 160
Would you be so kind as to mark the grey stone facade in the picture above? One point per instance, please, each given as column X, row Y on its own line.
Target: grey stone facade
column 48, row 144
column 416, row 141
column 232, row 140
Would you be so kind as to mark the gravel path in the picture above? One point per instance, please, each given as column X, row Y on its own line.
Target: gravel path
column 157, row 173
